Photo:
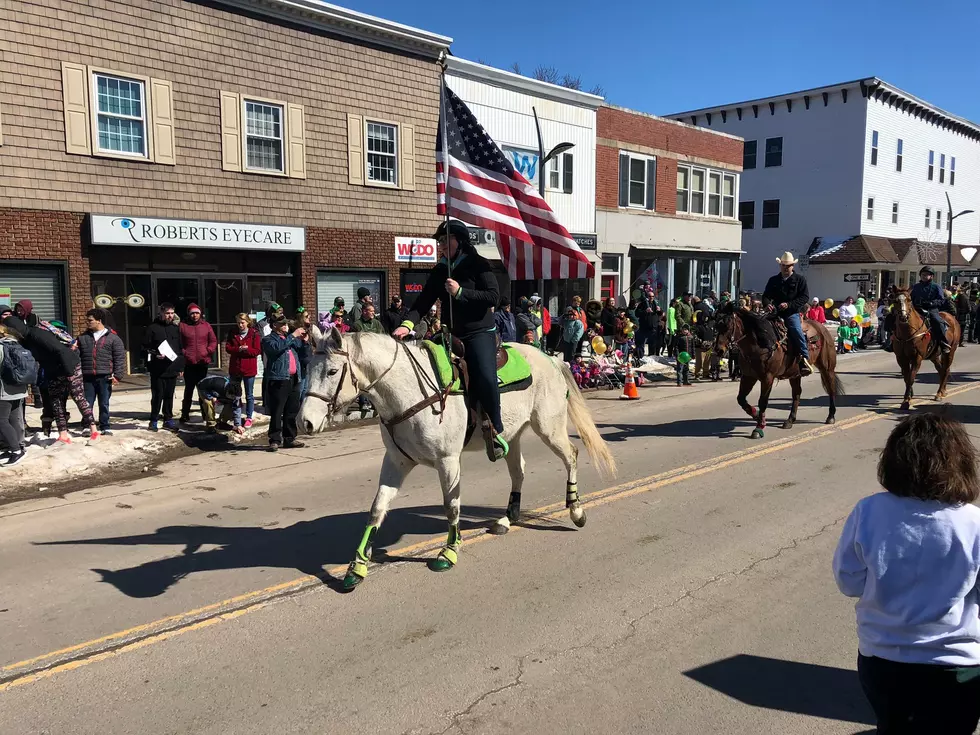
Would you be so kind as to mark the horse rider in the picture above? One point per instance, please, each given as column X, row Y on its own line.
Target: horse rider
column 468, row 298
column 787, row 295
column 928, row 298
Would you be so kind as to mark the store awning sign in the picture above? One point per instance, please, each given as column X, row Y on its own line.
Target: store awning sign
column 180, row 233
column 415, row 250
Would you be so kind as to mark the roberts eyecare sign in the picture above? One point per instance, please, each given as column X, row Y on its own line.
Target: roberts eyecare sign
column 181, row 233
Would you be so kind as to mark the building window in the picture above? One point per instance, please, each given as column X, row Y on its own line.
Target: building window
column 928, row 217
column 952, row 170
column 894, row 213
column 697, row 190
column 942, row 168
column 746, row 214
column 770, row 214
column 263, row 136
column 939, row 219
column 749, row 153
column 728, row 196
column 382, row 153
column 121, row 115
column 714, row 193
column 560, row 173
column 932, row 159
column 874, row 147
column 898, row 156
column 638, row 182
column 683, row 187
column 774, row 152
column 871, row 208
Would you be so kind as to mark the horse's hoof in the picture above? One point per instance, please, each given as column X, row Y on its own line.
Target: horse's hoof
column 351, row 581
column 787, row 424
column 906, row 405
column 440, row 564
column 830, row 420
column 499, row 528
column 513, row 516
column 578, row 517
column 757, row 433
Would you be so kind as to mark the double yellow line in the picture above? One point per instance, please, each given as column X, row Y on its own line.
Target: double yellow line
column 141, row 636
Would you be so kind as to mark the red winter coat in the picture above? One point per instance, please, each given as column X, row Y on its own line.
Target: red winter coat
column 816, row 314
column 244, row 352
column 197, row 342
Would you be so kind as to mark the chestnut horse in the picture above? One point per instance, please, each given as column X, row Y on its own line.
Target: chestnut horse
column 912, row 343
column 763, row 359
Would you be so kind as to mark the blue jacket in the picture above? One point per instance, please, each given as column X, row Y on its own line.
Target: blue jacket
column 275, row 354
column 216, row 386
column 573, row 330
column 928, row 296
column 505, row 325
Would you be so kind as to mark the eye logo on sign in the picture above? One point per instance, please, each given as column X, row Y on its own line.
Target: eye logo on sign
column 127, row 224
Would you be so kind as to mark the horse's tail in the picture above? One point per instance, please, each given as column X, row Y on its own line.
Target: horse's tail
column 585, row 426
column 832, row 386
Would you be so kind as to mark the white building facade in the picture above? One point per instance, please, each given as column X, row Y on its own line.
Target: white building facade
column 850, row 159
column 505, row 104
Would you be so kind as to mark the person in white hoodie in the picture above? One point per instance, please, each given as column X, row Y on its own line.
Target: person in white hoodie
column 12, row 397
column 911, row 556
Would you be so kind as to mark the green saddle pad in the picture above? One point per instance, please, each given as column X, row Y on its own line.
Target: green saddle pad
column 514, row 372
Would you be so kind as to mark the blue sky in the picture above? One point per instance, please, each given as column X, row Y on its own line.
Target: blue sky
column 663, row 57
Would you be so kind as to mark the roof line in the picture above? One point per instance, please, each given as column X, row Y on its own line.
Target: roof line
column 667, row 120
column 321, row 15
column 503, row 78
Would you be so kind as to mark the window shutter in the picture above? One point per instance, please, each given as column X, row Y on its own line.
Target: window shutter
column 355, row 149
column 162, row 115
column 74, row 89
column 296, row 150
column 624, row 180
column 651, row 184
column 567, row 174
column 231, row 132
column 406, row 176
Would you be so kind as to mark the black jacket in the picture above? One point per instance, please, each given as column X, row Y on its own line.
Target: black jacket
column 392, row 319
column 470, row 311
column 647, row 321
column 54, row 357
column 607, row 320
column 791, row 291
column 157, row 333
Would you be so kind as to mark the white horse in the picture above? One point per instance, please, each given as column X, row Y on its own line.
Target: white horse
column 420, row 426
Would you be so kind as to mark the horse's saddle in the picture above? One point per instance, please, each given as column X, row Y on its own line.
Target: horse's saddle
column 513, row 370
column 782, row 334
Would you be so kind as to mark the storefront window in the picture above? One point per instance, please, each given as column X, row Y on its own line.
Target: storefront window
column 331, row 284
column 682, row 276
column 42, row 284
column 129, row 321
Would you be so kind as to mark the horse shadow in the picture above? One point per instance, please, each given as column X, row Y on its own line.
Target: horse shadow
column 306, row 546
column 725, row 428
column 788, row 686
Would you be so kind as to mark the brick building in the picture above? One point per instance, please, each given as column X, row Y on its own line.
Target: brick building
column 666, row 210
column 224, row 153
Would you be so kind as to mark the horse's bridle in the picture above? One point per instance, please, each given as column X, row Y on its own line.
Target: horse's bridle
column 903, row 317
column 349, row 369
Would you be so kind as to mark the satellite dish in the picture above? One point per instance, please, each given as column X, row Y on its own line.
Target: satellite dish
column 104, row 301
column 136, row 301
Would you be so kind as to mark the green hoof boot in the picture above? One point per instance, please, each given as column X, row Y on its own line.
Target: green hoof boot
column 445, row 561
column 356, row 573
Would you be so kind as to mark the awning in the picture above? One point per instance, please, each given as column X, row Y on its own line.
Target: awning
column 693, row 250
column 490, row 253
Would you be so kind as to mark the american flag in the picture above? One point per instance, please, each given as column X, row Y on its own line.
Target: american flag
column 485, row 190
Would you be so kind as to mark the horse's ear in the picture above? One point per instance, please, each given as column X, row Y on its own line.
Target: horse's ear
column 334, row 340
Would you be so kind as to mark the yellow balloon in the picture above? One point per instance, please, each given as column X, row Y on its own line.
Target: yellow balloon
column 828, row 303
column 836, row 313
column 598, row 345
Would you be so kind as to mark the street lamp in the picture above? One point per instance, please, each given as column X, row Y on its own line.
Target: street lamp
column 542, row 158
column 949, row 241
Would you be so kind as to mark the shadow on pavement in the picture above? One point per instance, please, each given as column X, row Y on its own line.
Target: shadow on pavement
column 788, row 686
column 306, row 546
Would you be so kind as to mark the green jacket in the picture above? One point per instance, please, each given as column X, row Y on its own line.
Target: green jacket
column 846, row 332
column 671, row 320
column 363, row 325
column 862, row 308
column 685, row 313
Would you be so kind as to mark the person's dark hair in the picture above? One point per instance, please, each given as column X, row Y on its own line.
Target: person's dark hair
column 166, row 306
column 930, row 456
column 99, row 314
column 504, row 301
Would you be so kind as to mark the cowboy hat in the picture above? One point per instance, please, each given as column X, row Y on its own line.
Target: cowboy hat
column 787, row 259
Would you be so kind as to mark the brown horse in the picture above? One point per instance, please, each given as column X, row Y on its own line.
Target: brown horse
column 764, row 358
column 913, row 343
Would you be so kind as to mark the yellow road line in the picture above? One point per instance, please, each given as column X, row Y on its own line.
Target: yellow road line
column 174, row 625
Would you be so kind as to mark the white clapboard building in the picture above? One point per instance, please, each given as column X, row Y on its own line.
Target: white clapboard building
column 505, row 103
column 854, row 177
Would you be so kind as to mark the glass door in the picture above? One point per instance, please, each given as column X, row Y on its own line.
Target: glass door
column 181, row 291
column 224, row 299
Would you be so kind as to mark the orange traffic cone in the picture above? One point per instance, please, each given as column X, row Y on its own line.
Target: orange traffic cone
column 630, row 392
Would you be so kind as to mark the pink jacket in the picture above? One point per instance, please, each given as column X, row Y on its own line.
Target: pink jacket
column 198, row 342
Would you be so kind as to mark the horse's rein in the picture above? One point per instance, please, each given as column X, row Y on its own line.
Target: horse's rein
column 922, row 330
column 349, row 368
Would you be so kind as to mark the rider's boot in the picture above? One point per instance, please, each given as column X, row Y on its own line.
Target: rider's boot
column 497, row 446
column 805, row 367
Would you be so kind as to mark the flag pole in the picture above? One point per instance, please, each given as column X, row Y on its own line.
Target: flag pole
column 443, row 125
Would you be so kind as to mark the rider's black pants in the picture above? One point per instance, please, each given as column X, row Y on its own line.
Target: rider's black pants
column 936, row 325
column 481, row 361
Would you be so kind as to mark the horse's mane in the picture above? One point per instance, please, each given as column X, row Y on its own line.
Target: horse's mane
column 757, row 325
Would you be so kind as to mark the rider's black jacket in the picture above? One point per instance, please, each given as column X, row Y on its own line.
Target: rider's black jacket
column 471, row 306
column 792, row 291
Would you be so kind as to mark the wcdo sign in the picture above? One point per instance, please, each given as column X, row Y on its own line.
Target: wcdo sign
column 415, row 250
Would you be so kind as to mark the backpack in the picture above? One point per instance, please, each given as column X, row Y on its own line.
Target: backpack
column 19, row 366
column 58, row 330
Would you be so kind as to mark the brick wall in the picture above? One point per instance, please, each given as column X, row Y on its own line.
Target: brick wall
column 204, row 48
column 52, row 236
column 668, row 140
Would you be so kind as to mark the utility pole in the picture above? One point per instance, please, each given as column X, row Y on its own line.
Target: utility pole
column 949, row 241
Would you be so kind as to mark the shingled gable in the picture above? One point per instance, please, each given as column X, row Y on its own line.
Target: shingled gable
column 873, row 250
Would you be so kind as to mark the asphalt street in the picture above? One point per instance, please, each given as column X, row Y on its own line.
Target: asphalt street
column 203, row 598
